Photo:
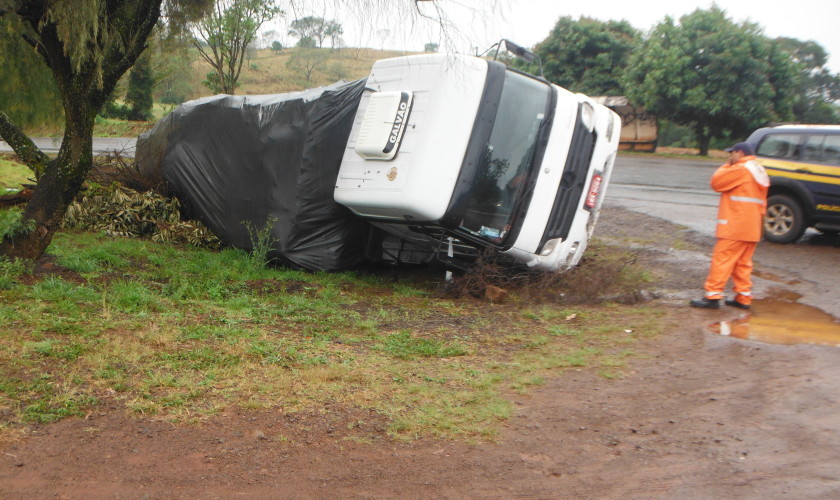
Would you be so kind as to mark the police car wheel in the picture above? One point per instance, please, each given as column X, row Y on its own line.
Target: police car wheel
column 785, row 219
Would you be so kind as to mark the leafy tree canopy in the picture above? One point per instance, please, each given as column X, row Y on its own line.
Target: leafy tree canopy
column 223, row 35
column 333, row 31
column 317, row 29
column 28, row 93
column 588, row 55
column 305, row 60
column 709, row 73
column 817, row 88
column 87, row 46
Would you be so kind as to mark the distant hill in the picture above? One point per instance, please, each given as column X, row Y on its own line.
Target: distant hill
column 270, row 72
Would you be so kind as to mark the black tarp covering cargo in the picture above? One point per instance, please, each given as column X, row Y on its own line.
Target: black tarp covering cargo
column 233, row 160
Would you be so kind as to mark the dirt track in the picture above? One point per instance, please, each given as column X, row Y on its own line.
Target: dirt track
column 700, row 416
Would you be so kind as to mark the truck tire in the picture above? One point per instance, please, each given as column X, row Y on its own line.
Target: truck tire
column 785, row 219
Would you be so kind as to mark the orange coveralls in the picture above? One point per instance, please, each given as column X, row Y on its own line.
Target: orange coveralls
column 743, row 201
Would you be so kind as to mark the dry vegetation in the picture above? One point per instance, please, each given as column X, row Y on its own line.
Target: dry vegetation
column 266, row 71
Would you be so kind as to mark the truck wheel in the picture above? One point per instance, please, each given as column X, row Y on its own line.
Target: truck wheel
column 785, row 219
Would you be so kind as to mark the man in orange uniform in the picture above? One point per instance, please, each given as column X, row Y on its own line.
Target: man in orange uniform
column 742, row 184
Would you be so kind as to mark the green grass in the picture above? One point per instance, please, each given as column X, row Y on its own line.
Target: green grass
column 13, row 174
column 405, row 346
column 183, row 333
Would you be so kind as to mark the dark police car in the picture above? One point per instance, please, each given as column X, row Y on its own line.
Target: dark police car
column 803, row 162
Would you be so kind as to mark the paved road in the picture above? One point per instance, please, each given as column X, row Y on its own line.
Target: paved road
column 124, row 145
column 678, row 191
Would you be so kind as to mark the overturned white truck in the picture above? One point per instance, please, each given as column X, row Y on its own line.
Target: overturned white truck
column 435, row 156
column 462, row 147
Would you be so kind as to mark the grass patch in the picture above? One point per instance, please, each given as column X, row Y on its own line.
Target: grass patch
column 13, row 174
column 183, row 333
column 404, row 346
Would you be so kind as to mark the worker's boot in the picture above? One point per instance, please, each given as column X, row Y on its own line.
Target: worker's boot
column 706, row 303
column 735, row 303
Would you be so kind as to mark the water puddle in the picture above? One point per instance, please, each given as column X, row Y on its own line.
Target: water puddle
column 782, row 322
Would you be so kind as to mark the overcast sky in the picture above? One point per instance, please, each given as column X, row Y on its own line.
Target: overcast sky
column 480, row 23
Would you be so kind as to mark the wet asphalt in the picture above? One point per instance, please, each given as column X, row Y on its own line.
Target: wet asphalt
column 678, row 191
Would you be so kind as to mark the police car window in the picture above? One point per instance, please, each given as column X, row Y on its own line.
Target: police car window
column 814, row 148
column 780, row 146
column 831, row 150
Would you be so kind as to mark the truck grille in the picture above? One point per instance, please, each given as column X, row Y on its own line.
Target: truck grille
column 571, row 184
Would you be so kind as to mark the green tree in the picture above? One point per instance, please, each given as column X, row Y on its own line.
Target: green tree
column 588, row 55
column 817, row 88
column 314, row 28
column 333, row 31
column 307, row 42
column 709, row 73
column 431, row 47
column 276, row 46
column 223, row 36
column 87, row 45
column 140, row 86
column 172, row 59
column 28, row 93
column 305, row 60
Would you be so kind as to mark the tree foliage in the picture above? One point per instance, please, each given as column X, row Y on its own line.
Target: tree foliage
column 305, row 60
column 310, row 28
column 137, row 92
column 224, row 34
column 28, row 93
column 87, row 45
column 817, row 88
column 333, row 31
column 140, row 85
column 171, row 64
column 588, row 55
column 709, row 73
column 307, row 42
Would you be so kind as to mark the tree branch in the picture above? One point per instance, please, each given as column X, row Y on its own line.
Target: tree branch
column 28, row 152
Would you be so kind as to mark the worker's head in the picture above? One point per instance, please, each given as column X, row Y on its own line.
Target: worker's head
column 739, row 151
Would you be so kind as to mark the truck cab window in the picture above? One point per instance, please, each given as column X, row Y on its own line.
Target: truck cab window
column 507, row 158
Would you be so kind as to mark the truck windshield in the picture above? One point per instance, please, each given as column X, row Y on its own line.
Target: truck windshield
column 507, row 157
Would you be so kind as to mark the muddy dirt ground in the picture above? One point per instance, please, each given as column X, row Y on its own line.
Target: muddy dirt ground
column 699, row 416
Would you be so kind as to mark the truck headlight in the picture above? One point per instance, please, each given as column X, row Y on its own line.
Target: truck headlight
column 570, row 258
column 550, row 246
